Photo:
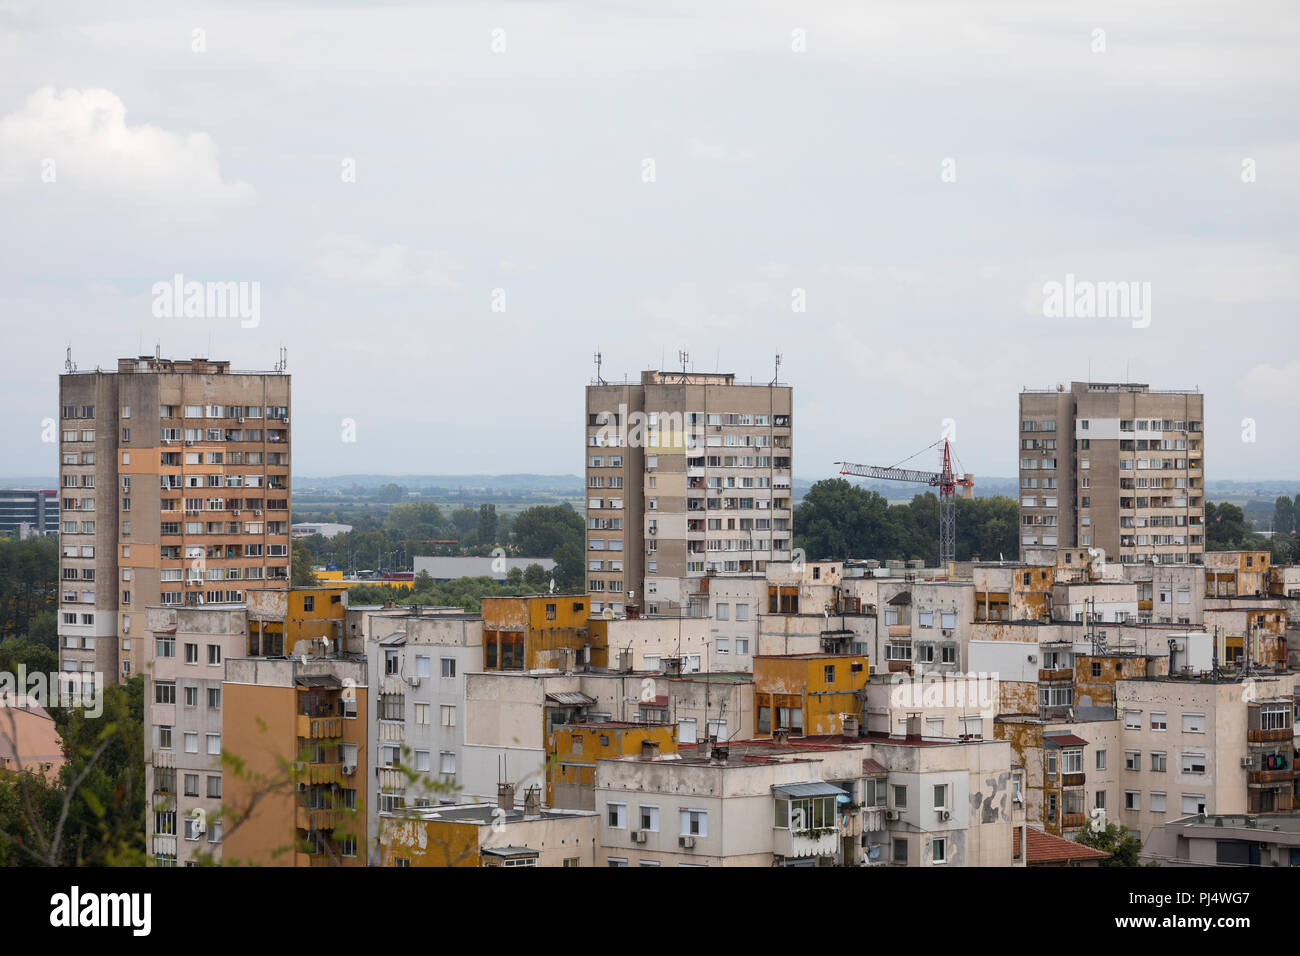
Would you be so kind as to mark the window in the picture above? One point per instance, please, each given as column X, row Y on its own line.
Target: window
column 1157, row 802
column 900, row 851
column 214, row 744
column 191, row 742
column 448, row 666
column 191, row 696
column 1132, row 760
column 191, row 785
column 1051, row 765
column 448, row 715
column 214, row 787
column 1193, row 723
column 166, row 647
column 1101, row 760
column 1158, row 761
column 1193, row 763
column 421, row 714
column 1132, row 800
column 1193, row 803
column 695, row 823
column 164, row 692
column 309, row 602
column 1158, row 720
column 650, row 818
column 214, row 654
column 939, row 850
column 941, row 796
column 214, row 698
column 617, row 861
column 191, row 653
column 616, row 815
column 422, row 665
column 721, row 612
column 164, row 737
column 900, row 797
column 1133, row 720
column 447, row 763
column 1072, row 761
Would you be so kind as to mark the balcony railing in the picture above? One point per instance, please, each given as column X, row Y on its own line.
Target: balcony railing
column 1269, row 736
column 1270, row 776
column 1070, row 821
column 1055, row 674
column 788, row 843
column 319, row 728
column 1072, row 779
column 318, row 819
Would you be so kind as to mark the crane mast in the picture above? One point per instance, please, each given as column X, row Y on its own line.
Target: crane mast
column 944, row 479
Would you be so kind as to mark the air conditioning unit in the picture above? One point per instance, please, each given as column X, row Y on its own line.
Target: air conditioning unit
column 639, row 836
column 945, row 814
column 349, row 770
column 413, row 681
column 891, row 814
column 1032, row 658
column 1248, row 763
column 686, row 841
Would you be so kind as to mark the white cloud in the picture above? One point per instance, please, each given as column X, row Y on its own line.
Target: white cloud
column 81, row 140
column 718, row 153
column 1278, row 386
column 340, row 259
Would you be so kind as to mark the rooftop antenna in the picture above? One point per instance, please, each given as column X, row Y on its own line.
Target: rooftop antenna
column 68, row 364
column 684, row 357
column 776, row 374
column 599, row 380
column 283, row 363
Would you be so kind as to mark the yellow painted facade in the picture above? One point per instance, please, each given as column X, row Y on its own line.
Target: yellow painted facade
column 573, row 749
column 807, row 693
column 528, row 632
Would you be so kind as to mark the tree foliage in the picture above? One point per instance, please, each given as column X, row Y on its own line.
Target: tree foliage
column 838, row 519
column 1120, row 842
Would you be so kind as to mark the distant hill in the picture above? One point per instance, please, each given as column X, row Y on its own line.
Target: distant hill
column 520, row 482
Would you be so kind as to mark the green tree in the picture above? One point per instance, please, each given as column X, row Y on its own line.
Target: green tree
column 1226, row 528
column 416, row 521
column 539, row 530
column 300, row 572
column 1120, row 842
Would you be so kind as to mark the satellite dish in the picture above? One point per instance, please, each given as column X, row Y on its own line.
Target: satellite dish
column 552, row 585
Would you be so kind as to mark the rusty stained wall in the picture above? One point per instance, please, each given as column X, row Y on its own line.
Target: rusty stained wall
column 1099, row 690
column 1017, row 697
column 1026, row 740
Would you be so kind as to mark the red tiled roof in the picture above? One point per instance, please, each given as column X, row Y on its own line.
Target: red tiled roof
column 1066, row 740
column 1045, row 848
column 872, row 766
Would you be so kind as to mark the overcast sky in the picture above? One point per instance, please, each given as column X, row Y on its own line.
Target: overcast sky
column 918, row 169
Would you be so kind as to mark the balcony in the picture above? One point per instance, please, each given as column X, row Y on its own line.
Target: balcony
column 1072, row 821
column 873, row 819
column 1280, row 735
column 1055, row 674
column 788, row 843
column 1072, row 779
column 324, row 773
column 1262, row 777
column 319, row 728
column 309, row 819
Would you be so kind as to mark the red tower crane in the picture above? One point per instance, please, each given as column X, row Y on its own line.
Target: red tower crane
column 944, row 479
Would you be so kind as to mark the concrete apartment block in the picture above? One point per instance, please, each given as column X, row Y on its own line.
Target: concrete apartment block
column 1117, row 467
column 687, row 473
column 174, row 478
